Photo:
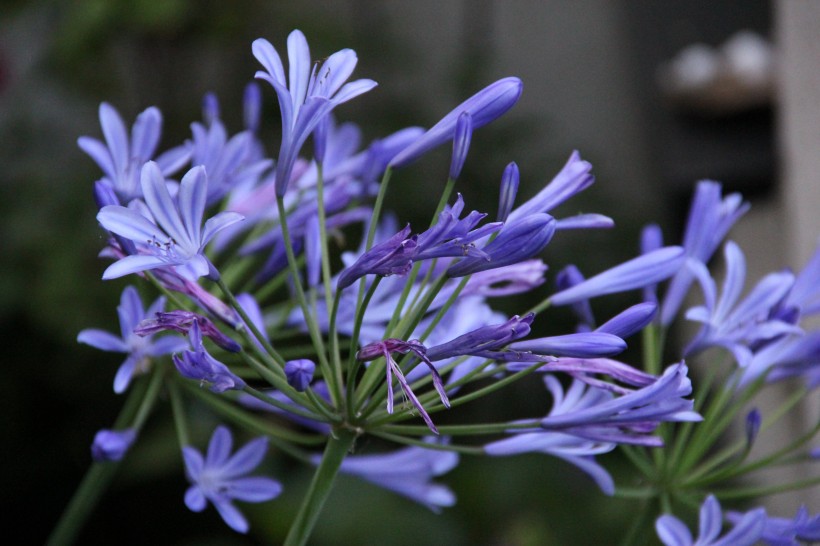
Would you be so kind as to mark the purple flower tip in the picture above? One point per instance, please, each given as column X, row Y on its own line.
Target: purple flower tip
column 461, row 143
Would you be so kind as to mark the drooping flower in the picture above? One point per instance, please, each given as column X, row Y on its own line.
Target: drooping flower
column 181, row 321
column 803, row 528
column 121, row 158
column 746, row 532
column 384, row 349
column 199, row 364
column 139, row 349
column 306, row 96
column 486, row 341
column 175, row 236
column 408, row 472
column 580, row 345
column 484, row 107
column 112, row 445
column 220, row 478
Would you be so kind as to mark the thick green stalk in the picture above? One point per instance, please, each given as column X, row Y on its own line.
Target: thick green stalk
column 338, row 445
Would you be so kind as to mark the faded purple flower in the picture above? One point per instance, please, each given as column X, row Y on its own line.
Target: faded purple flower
column 220, row 478
column 384, row 349
column 181, row 321
column 199, row 364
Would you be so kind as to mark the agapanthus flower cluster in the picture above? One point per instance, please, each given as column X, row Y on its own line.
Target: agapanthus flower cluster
column 330, row 339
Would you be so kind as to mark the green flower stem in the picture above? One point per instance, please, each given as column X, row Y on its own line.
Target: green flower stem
column 339, row 444
column 736, row 470
column 137, row 406
column 178, row 410
column 638, row 533
column 333, row 378
column 638, row 457
column 652, row 338
column 412, row 319
column 280, row 437
column 684, row 431
column 85, row 498
column 165, row 292
column 540, row 307
column 249, row 323
column 458, row 430
column 326, row 276
column 763, row 491
column 464, row 450
column 377, row 208
column 290, row 408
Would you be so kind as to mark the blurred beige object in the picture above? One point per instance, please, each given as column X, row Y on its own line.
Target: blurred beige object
column 737, row 76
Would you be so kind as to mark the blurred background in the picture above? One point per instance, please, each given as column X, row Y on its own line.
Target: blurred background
column 619, row 81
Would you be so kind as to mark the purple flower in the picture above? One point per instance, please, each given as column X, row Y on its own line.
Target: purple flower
column 461, row 143
column 139, row 349
column 651, row 239
column 306, row 96
column 219, row 477
column 484, row 107
column 515, row 243
column 408, row 472
column 737, row 326
column 575, row 450
column 802, row 528
column 299, row 373
column 198, row 364
column 175, row 237
column 710, row 219
column 121, row 158
column 228, row 161
column 384, row 349
column 636, row 273
column 181, row 321
column 746, row 532
column 631, row 418
column 112, row 445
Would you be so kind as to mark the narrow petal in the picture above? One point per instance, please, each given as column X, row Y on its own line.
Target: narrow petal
column 672, row 531
column 219, row 448
column 162, row 206
column 255, row 489
column 116, row 136
column 129, row 224
column 245, row 459
column 217, row 223
column 193, row 190
column 145, row 134
column 99, row 153
column 133, row 264
column 232, row 516
column 104, row 341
